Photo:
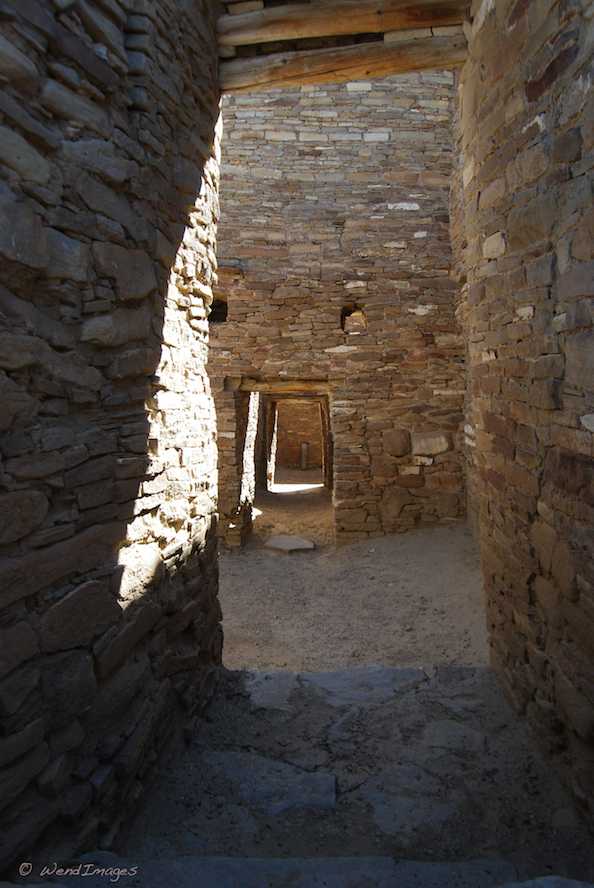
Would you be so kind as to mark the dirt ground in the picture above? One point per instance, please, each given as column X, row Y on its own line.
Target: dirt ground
column 361, row 721
column 405, row 600
column 408, row 763
column 297, row 503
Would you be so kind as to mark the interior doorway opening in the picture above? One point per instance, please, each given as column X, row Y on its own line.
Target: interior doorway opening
column 298, row 455
column 293, row 457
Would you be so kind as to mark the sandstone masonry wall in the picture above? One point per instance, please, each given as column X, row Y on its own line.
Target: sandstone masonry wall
column 109, row 622
column 523, row 231
column 335, row 199
column 299, row 423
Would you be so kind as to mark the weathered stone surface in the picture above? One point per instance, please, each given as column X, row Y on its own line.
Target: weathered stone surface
column 17, row 406
column 16, row 745
column 393, row 501
column 75, row 801
column 397, row 442
column 135, row 362
column 17, row 351
column 141, row 566
column 132, row 270
column 579, row 357
column 22, row 236
column 122, row 326
column 90, row 549
column 20, row 513
column 15, row 778
column 311, row 872
column 102, row 28
column 54, row 778
column 548, row 882
column 68, row 258
column 30, row 816
column 19, row 115
column 64, row 739
column 72, row 106
column 112, row 204
column 80, row 616
column 14, row 64
column 19, row 643
column 22, row 157
column 69, row 686
column 98, row 156
column 117, row 645
column 286, row 543
column 39, row 322
column 274, row 786
column 15, row 689
column 35, row 465
column 576, row 706
column 530, row 367
column 430, row 443
column 532, row 223
column 494, row 246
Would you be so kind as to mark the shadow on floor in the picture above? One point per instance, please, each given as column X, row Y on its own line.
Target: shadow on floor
column 421, row 764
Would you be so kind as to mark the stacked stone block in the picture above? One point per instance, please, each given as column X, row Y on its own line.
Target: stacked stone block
column 109, row 622
column 523, row 231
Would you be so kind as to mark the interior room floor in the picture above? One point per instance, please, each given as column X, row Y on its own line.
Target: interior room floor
column 406, row 600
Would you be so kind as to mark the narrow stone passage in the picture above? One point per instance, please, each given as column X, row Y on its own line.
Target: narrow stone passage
column 373, row 762
column 368, row 743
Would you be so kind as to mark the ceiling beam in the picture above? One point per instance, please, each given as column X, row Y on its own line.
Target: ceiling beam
column 338, row 17
column 285, row 386
column 362, row 61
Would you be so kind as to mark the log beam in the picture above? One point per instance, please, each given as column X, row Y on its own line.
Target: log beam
column 285, row 386
column 362, row 61
column 341, row 17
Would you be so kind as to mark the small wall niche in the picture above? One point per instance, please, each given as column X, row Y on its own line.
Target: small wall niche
column 353, row 320
column 218, row 311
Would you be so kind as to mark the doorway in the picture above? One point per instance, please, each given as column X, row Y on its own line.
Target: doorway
column 293, row 468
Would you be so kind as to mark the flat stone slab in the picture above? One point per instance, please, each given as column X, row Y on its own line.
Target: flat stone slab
column 271, row 690
column 370, row 762
column 549, row 882
column 363, row 685
column 408, row 801
column 320, row 872
column 273, row 786
column 284, row 542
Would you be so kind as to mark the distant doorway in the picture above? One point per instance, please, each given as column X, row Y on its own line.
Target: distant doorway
column 293, row 467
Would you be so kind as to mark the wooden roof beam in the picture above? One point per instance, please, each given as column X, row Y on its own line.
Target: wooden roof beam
column 362, row 61
column 335, row 18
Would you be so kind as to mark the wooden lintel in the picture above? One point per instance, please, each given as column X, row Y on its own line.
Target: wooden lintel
column 285, row 386
column 363, row 61
column 341, row 17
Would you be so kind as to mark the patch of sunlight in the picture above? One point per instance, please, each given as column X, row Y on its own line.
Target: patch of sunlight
column 292, row 488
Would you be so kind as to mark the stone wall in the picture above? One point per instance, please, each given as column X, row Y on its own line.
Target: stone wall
column 335, row 200
column 109, row 622
column 299, row 422
column 524, row 238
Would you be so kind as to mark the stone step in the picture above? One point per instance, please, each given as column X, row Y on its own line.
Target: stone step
column 253, row 872
column 97, row 869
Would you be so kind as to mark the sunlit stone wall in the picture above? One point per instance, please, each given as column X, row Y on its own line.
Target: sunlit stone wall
column 109, row 622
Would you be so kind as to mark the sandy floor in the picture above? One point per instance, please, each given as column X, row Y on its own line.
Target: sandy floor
column 410, row 599
column 298, row 504
column 314, row 752
column 403, row 763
